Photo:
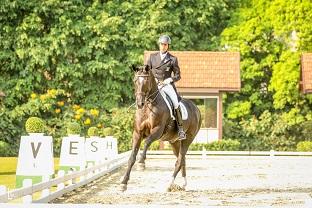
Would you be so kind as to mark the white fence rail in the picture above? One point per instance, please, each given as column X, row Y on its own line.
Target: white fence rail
column 63, row 183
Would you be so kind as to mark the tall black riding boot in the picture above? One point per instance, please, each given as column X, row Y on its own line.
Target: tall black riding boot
column 179, row 120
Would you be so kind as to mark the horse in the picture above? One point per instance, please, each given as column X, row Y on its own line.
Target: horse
column 153, row 122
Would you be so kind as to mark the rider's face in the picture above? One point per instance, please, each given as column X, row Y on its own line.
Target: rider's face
column 163, row 47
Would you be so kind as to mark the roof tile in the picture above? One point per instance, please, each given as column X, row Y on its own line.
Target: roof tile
column 210, row 70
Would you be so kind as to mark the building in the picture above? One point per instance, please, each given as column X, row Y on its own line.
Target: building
column 306, row 73
column 205, row 76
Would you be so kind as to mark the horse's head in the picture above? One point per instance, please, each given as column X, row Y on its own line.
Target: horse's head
column 143, row 84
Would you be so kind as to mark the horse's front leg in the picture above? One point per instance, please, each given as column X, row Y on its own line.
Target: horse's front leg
column 136, row 141
column 155, row 134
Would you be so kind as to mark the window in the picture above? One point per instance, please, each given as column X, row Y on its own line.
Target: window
column 211, row 113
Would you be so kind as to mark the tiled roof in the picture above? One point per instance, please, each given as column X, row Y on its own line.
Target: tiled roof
column 203, row 71
column 306, row 73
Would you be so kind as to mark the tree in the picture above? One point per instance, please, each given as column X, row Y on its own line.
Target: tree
column 270, row 36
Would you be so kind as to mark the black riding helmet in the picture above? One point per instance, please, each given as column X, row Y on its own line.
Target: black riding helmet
column 164, row 39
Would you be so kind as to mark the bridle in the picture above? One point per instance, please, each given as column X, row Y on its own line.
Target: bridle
column 147, row 99
column 142, row 93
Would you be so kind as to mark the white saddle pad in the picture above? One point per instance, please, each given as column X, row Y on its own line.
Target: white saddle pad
column 183, row 108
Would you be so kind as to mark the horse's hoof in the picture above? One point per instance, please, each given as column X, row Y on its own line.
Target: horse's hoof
column 122, row 187
column 141, row 166
column 175, row 187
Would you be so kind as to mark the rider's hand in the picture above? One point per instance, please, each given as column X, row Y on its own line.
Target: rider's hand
column 168, row 81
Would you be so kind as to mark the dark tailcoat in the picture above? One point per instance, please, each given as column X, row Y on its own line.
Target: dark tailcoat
column 166, row 68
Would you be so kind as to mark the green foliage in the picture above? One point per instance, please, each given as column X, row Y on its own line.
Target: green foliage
column 270, row 131
column 284, row 81
column 4, row 149
column 10, row 131
column 108, row 131
column 222, row 145
column 307, row 130
column 70, row 44
column 73, row 128
column 238, row 109
column 304, row 146
column 35, row 125
column 93, row 131
column 154, row 146
column 270, row 38
column 122, row 123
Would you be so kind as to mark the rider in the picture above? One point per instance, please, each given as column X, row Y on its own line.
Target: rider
column 163, row 65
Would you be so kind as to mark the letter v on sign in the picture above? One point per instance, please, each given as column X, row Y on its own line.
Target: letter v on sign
column 34, row 149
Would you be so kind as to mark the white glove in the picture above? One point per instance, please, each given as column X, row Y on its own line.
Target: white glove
column 168, row 81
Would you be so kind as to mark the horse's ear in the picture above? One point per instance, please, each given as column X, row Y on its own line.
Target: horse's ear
column 147, row 68
column 134, row 68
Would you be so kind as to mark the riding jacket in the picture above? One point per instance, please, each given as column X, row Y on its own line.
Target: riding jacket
column 166, row 68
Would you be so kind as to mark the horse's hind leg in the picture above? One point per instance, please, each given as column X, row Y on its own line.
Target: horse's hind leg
column 179, row 150
column 155, row 134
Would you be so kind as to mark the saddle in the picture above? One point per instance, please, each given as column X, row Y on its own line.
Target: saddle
column 170, row 106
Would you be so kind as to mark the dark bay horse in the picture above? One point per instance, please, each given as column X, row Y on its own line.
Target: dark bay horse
column 153, row 121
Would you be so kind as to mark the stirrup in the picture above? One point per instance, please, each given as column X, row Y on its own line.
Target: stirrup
column 181, row 135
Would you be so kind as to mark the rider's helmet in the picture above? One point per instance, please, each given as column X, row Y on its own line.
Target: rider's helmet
column 164, row 39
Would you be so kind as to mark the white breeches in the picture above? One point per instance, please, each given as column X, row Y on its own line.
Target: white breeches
column 169, row 90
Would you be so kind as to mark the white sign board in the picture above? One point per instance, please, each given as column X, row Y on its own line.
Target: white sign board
column 94, row 149
column 110, row 146
column 73, row 153
column 35, row 156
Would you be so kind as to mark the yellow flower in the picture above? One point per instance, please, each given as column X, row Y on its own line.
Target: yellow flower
column 94, row 112
column 60, row 103
column 87, row 121
column 77, row 117
column 57, row 110
column 43, row 97
column 52, row 92
column 80, row 111
column 99, row 125
column 33, row 95
column 76, row 107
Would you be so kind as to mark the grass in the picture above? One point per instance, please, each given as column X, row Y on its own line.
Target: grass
column 8, row 170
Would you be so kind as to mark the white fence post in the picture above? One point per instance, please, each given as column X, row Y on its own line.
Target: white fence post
column 89, row 175
column 45, row 192
column 204, row 153
column 70, row 182
column 3, row 191
column 27, row 198
column 60, row 186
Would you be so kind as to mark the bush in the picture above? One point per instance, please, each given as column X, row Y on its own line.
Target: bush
column 304, row 146
column 5, row 149
column 108, row 131
column 93, row 131
column 34, row 125
column 222, row 145
column 269, row 131
column 73, row 128
column 154, row 146
column 122, row 124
